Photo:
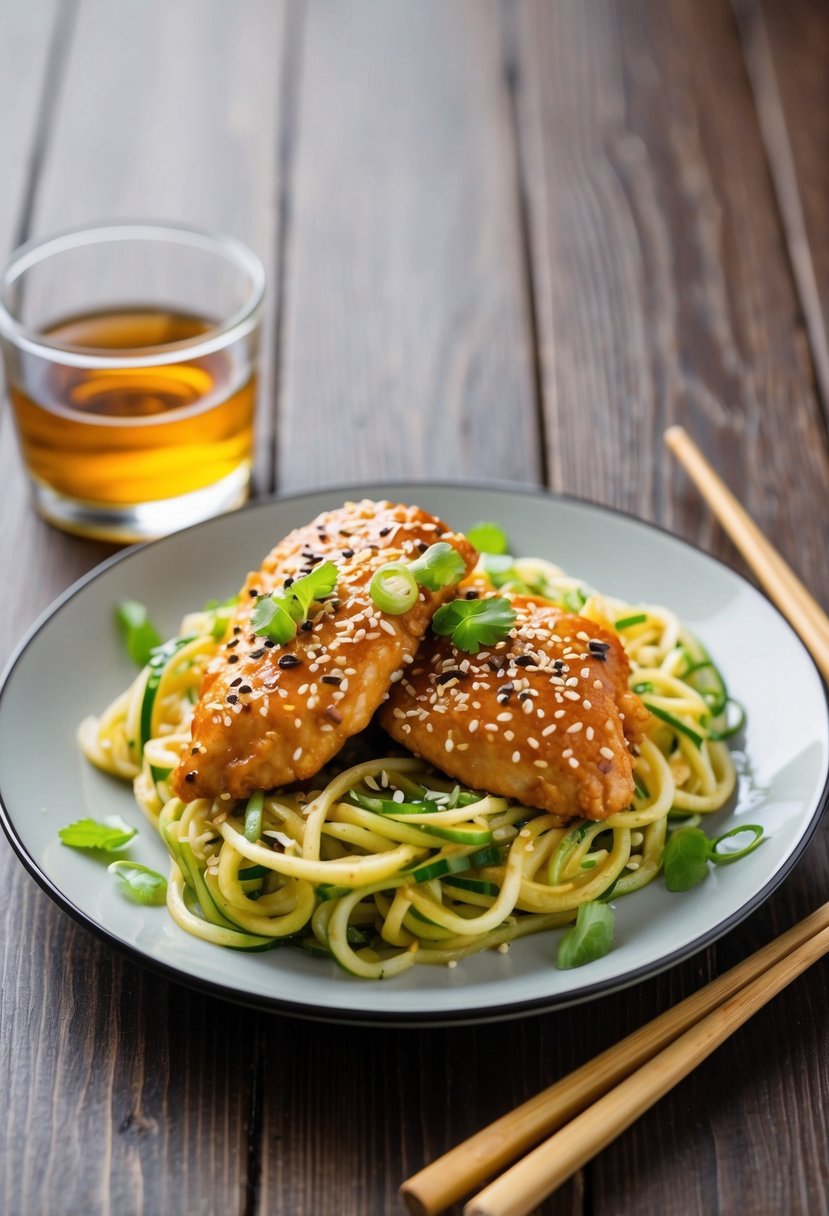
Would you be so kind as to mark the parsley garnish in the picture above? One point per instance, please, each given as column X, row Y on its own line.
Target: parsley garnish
column 140, row 635
column 90, row 834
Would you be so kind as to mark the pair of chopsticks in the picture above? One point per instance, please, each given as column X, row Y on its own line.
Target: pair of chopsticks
column 588, row 1109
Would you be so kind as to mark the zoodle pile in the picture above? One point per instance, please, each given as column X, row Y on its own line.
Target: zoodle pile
column 381, row 862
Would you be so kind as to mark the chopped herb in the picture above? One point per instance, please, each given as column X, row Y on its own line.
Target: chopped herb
column 475, row 623
column 689, row 851
column 590, row 938
column 276, row 616
column 90, row 834
column 140, row 635
column 394, row 588
column 140, row 883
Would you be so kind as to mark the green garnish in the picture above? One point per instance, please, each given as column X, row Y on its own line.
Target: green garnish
column 140, row 883
column 500, row 570
column 440, row 566
column 276, row 616
column 472, row 624
column 590, row 938
column 675, row 723
column 220, row 612
column 574, row 600
column 638, row 618
column 90, row 834
column 140, row 635
column 488, row 537
column 689, row 851
column 253, row 816
column 394, row 588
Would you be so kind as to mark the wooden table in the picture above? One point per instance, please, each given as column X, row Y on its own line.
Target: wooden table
column 507, row 242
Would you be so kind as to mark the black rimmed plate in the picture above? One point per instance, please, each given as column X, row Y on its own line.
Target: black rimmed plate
column 72, row 664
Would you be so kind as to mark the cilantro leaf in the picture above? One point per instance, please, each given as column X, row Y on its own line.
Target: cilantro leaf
column 90, row 834
column 277, row 615
column 590, row 938
column 140, row 883
column 475, row 623
column 140, row 635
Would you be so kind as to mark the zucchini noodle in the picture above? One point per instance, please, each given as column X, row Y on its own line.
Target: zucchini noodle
column 342, row 873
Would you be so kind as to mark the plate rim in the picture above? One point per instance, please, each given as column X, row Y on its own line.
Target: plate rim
column 347, row 1016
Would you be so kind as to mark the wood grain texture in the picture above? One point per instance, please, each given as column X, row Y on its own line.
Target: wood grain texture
column 125, row 1093
column 664, row 293
column 407, row 340
column 786, row 49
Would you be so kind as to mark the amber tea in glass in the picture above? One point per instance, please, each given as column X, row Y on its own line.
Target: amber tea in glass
column 135, row 419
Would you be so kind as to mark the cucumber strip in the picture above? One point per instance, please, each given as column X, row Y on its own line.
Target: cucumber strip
column 159, row 660
column 675, row 723
column 638, row 618
column 387, row 806
column 706, row 679
column 253, row 816
column 729, row 730
column 473, row 884
column 253, row 872
column 455, row 863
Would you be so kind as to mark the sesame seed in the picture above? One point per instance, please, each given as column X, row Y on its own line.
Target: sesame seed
column 606, row 752
column 289, row 660
column 449, row 745
column 297, row 754
column 541, row 764
column 516, row 756
column 548, row 730
column 533, row 743
column 473, row 726
column 574, row 728
column 573, row 762
column 504, row 717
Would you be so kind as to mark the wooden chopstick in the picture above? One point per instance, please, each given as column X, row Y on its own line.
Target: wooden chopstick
column 517, row 1191
column 778, row 580
column 484, row 1154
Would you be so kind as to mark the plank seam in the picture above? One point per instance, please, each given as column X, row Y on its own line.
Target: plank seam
column 774, row 131
column 53, row 77
column 289, row 107
column 509, row 66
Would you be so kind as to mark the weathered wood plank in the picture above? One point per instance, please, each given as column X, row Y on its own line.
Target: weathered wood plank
column 664, row 293
column 407, row 340
column 124, row 1092
column 786, row 48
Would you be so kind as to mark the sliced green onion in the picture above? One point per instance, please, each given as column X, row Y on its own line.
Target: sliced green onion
column 394, row 588
column 487, row 537
column 725, row 859
column 253, row 816
column 590, row 938
column 675, row 723
column 625, row 622
column 440, row 566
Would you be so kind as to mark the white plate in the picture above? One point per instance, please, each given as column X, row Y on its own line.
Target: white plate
column 71, row 664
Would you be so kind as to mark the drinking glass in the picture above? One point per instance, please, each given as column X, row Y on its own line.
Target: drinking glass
column 130, row 353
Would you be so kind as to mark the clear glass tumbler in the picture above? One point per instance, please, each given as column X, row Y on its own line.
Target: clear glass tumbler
column 131, row 353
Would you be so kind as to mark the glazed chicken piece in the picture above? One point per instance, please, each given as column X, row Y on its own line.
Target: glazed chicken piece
column 272, row 714
column 544, row 717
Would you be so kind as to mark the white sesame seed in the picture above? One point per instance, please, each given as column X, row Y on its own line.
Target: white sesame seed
column 516, row 756
column 597, row 684
column 573, row 762
column 509, row 735
column 473, row 726
column 571, row 696
column 533, row 743
column 589, row 732
column 504, row 717
column 503, row 948
column 449, row 745
column 606, row 752
column 541, row 764
column 548, row 730
column 297, row 754
column 574, row 728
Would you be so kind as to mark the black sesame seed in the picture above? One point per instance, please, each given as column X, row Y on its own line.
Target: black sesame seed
column 269, row 645
column 289, row 660
column 288, row 582
column 233, row 658
column 257, row 654
column 233, row 642
column 446, row 676
column 253, row 593
column 525, row 660
column 246, row 688
column 496, row 663
column 510, row 687
column 471, row 595
column 194, row 751
column 596, row 644
column 307, row 626
column 237, row 681
column 237, row 628
column 384, row 531
column 190, row 776
column 524, row 696
column 422, row 546
column 231, row 698
column 503, row 698
column 348, row 552
column 330, row 679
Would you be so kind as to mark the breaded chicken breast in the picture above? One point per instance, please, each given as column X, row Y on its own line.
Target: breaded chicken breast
column 544, row 717
column 271, row 714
